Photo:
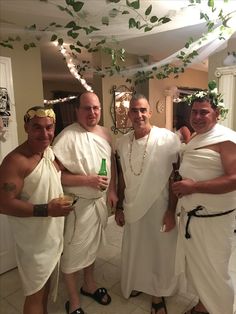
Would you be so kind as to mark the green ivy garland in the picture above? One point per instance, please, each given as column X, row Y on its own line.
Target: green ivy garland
column 143, row 23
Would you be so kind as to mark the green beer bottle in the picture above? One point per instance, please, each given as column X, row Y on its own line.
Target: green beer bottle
column 103, row 168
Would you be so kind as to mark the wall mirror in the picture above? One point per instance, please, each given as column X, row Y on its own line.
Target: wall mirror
column 121, row 97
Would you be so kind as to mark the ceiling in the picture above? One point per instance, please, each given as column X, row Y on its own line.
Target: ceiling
column 169, row 38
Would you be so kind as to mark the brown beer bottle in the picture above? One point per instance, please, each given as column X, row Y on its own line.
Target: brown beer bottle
column 176, row 174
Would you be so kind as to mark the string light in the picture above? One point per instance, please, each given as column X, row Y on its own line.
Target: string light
column 55, row 101
column 72, row 67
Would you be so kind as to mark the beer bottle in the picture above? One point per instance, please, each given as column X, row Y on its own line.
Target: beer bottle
column 176, row 174
column 103, row 168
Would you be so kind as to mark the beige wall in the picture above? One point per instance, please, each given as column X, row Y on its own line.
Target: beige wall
column 27, row 81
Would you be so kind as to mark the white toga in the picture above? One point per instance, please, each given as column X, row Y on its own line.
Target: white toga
column 81, row 152
column 208, row 251
column 39, row 240
column 147, row 254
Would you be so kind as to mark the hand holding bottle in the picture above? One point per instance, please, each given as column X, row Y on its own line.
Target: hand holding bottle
column 103, row 184
column 176, row 175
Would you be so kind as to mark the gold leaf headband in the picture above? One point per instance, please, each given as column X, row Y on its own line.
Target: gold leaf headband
column 41, row 113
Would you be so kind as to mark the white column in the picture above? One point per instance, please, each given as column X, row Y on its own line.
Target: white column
column 227, row 86
column 169, row 109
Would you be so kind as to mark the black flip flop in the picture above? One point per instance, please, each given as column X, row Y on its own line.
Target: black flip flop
column 77, row 311
column 98, row 295
column 160, row 305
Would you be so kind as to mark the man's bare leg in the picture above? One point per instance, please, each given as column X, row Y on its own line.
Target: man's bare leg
column 45, row 297
column 89, row 284
column 72, row 288
column 35, row 303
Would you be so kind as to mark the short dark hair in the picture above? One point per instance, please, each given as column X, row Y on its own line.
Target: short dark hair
column 136, row 97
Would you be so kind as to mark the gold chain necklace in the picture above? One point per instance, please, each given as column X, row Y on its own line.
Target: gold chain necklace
column 143, row 158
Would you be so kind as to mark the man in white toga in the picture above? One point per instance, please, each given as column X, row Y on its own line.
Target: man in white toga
column 30, row 186
column 207, row 199
column 80, row 149
column 145, row 207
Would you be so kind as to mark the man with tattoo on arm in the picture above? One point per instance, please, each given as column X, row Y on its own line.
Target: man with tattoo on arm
column 30, row 189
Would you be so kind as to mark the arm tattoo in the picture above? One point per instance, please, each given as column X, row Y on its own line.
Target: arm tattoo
column 8, row 187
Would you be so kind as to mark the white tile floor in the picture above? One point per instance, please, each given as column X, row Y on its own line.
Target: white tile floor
column 107, row 274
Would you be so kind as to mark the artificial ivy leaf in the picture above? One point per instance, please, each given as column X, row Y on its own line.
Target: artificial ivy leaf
column 26, row 47
column 72, row 47
column 101, row 42
column 69, row 2
column 132, row 23
column 105, row 20
column 54, row 37
column 77, row 6
column 225, row 22
column 165, row 19
column 154, row 19
column 71, row 24
column 60, row 41
column 149, row 9
column 78, row 50
column 74, row 35
column 60, row 7
column 113, row 13
column 92, row 28
column 138, row 24
column 147, row 29
column 76, row 28
column 114, row 1
column 134, row 4
column 125, row 12
column 212, row 85
column 211, row 3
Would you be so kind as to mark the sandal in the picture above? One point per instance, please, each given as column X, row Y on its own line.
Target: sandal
column 193, row 311
column 77, row 311
column 134, row 293
column 157, row 306
column 98, row 295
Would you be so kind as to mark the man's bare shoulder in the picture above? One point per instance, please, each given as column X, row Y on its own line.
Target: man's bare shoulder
column 16, row 158
column 228, row 146
column 103, row 132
